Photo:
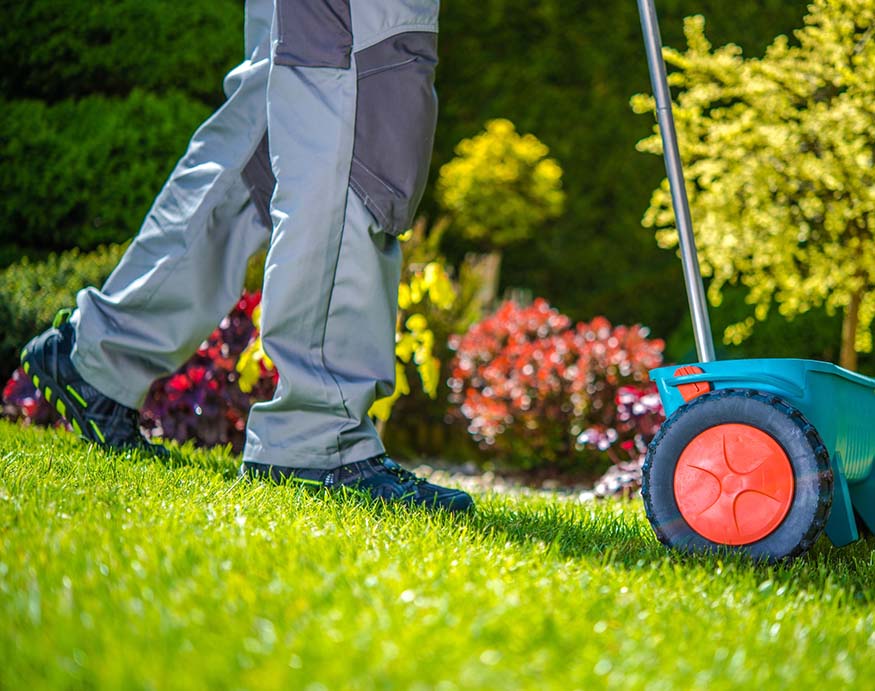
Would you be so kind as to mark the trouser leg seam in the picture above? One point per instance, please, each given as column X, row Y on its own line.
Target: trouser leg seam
column 328, row 316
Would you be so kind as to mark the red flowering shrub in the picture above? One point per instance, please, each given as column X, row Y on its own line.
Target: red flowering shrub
column 200, row 401
column 22, row 400
column 536, row 388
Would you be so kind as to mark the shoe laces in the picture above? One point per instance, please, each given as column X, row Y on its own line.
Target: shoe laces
column 403, row 474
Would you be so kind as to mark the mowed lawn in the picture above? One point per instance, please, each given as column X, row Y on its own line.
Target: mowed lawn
column 127, row 573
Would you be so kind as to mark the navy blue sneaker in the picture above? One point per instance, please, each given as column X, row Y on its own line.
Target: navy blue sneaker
column 93, row 416
column 380, row 477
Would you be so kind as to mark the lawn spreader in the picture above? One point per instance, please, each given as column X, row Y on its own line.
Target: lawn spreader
column 761, row 455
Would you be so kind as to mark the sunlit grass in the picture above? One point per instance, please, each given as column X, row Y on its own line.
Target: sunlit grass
column 127, row 573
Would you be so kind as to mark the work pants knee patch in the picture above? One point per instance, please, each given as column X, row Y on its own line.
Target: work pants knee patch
column 313, row 33
column 396, row 115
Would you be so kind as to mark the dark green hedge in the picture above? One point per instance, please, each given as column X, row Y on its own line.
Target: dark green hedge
column 56, row 49
column 81, row 173
column 31, row 293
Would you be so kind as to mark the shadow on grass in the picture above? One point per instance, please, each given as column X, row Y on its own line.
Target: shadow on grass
column 625, row 540
column 218, row 459
column 615, row 538
column 570, row 534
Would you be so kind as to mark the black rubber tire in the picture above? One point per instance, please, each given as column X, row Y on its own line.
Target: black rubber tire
column 809, row 460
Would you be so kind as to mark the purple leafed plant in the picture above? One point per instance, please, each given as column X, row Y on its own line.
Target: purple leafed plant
column 201, row 401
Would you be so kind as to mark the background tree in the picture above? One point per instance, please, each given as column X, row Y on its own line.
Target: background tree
column 564, row 70
column 779, row 156
column 498, row 190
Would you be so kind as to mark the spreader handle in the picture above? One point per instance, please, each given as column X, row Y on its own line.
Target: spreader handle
column 675, row 172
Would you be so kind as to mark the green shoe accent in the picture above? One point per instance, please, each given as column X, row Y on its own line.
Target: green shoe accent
column 61, row 316
column 76, row 427
column 304, row 481
column 75, row 394
column 97, row 431
column 27, row 368
column 35, row 380
column 23, row 354
column 48, row 394
column 61, row 408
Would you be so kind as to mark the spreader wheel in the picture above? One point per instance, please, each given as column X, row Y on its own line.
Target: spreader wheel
column 738, row 469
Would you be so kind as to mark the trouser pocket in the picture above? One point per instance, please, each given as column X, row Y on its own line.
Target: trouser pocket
column 396, row 114
column 313, row 33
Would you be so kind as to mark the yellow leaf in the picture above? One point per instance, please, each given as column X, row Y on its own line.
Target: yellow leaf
column 416, row 323
column 404, row 296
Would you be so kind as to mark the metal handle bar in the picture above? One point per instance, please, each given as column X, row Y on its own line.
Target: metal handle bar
column 674, row 170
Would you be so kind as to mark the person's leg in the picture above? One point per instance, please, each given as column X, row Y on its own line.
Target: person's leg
column 184, row 271
column 351, row 117
column 180, row 276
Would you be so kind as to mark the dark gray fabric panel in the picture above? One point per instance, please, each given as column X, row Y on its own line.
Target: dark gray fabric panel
column 396, row 115
column 259, row 178
column 313, row 33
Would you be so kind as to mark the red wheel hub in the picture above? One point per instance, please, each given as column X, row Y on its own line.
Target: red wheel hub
column 733, row 484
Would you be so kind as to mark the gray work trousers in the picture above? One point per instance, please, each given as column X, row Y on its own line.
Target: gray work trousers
column 321, row 151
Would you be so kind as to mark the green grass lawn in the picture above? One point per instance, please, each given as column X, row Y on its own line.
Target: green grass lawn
column 123, row 573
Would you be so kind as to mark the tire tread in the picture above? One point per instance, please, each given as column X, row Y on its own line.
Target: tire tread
column 825, row 484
